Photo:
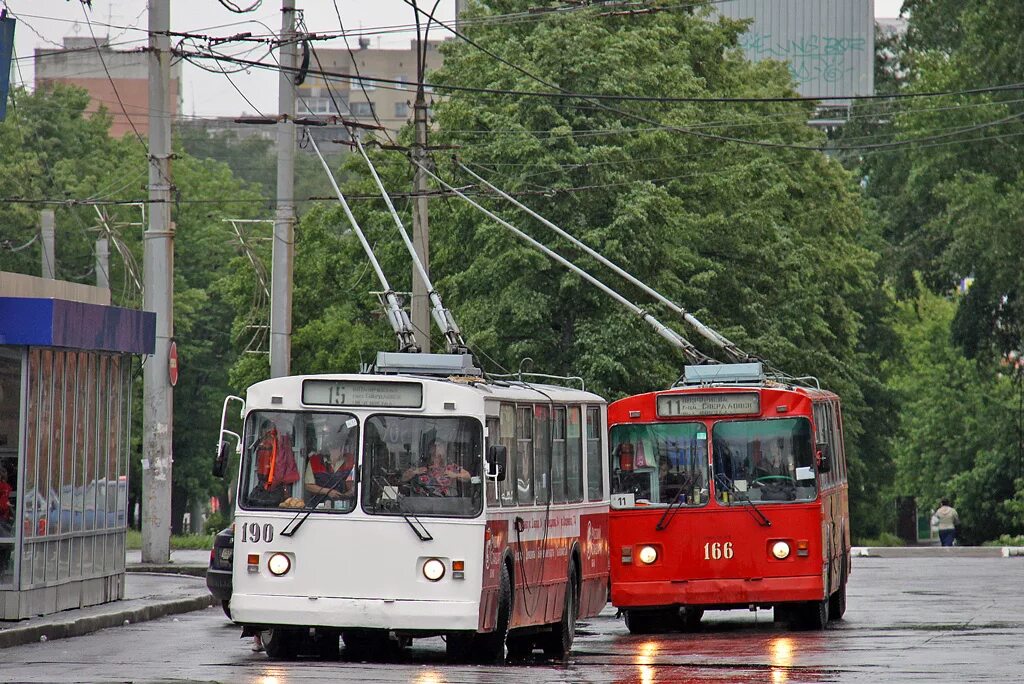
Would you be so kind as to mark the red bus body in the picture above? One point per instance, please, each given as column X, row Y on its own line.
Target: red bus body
column 716, row 550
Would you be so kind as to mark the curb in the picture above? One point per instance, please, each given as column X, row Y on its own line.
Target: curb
column 936, row 551
column 18, row 636
column 169, row 569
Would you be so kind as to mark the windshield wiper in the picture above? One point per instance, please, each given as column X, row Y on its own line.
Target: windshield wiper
column 673, row 508
column 288, row 530
column 761, row 518
column 414, row 523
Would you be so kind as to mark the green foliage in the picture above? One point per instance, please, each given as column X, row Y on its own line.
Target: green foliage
column 958, row 430
column 883, row 539
column 768, row 245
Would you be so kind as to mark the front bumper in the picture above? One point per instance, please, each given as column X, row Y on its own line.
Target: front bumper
column 721, row 593
column 397, row 614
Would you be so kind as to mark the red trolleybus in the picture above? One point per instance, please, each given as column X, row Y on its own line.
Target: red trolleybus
column 728, row 491
column 500, row 538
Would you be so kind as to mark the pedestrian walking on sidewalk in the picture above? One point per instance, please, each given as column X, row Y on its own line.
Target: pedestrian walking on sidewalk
column 945, row 520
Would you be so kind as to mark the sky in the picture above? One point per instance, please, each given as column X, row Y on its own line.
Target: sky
column 44, row 23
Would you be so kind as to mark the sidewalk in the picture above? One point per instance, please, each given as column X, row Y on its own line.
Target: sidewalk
column 935, row 551
column 150, row 592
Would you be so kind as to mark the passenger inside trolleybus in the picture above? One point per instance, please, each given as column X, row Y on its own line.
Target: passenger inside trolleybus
column 422, row 466
column 763, row 460
column 661, row 463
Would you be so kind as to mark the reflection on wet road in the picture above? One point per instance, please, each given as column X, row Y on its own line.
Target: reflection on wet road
column 919, row 619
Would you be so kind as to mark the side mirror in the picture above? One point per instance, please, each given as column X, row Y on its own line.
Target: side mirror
column 824, row 457
column 497, row 462
column 220, row 464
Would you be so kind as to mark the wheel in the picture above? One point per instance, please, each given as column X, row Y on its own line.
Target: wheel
column 458, row 646
column 491, row 646
column 282, row 643
column 651, row 621
column 226, row 606
column 558, row 642
column 814, row 614
column 519, row 647
column 837, row 603
column 689, row 619
column 327, row 647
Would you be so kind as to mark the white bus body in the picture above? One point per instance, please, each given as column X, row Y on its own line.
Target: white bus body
column 364, row 561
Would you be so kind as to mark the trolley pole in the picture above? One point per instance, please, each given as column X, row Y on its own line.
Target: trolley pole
column 158, row 267
column 48, row 231
column 283, row 251
column 420, row 225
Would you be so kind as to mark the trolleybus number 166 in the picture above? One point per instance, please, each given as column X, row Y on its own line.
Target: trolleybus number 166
column 718, row 551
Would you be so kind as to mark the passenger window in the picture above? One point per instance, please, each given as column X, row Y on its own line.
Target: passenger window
column 524, row 454
column 574, row 456
column 507, row 420
column 558, row 456
column 541, row 452
column 595, row 455
column 493, row 437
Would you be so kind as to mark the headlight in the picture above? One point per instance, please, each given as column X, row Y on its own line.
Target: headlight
column 433, row 569
column 279, row 564
column 780, row 550
column 648, row 555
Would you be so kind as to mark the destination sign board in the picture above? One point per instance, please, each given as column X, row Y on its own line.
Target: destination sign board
column 362, row 393
column 714, row 404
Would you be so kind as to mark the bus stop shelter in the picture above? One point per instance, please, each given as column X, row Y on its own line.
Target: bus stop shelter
column 65, row 418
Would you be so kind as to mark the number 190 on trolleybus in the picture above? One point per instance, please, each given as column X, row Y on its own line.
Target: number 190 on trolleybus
column 728, row 491
column 390, row 506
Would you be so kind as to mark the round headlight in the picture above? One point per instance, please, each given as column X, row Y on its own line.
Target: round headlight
column 648, row 554
column 780, row 550
column 433, row 569
column 279, row 564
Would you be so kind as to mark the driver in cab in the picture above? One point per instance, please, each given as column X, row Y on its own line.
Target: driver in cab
column 438, row 477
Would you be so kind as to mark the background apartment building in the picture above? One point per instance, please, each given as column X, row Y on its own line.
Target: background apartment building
column 391, row 102
column 115, row 79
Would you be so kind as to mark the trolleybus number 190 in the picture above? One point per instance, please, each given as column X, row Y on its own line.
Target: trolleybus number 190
column 718, row 551
column 255, row 533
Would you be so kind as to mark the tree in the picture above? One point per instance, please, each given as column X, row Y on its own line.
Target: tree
column 768, row 245
column 958, row 434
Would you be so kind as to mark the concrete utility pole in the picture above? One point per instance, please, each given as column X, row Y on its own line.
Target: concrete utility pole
column 103, row 263
column 47, row 228
column 158, row 279
column 420, row 223
column 283, row 252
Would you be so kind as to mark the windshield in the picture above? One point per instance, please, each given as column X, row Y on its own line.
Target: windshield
column 661, row 463
column 763, row 460
column 422, row 466
column 300, row 461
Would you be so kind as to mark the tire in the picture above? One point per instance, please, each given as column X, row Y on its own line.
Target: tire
column 458, row 646
column 282, row 643
column 689, row 619
column 837, row 603
column 558, row 642
column 491, row 647
column 519, row 647
column 651, row 621
column 226, row 606
column 815, row 614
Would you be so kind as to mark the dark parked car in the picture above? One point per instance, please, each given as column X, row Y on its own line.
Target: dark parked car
column 218, row 574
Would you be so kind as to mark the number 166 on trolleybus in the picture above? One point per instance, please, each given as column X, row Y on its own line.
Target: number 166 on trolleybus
column 728, row 491
column 418, row 501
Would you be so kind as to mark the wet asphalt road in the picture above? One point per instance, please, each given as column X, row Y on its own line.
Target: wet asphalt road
column 909, row 619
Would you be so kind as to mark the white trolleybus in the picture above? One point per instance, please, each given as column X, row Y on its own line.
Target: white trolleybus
column 417, row 501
